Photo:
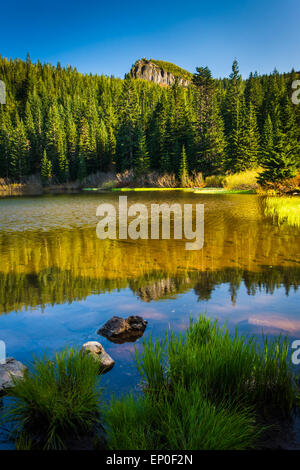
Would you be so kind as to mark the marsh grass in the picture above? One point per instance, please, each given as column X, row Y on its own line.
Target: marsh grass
column 183, row 420
column 284, row 210
column 204, row 389
column 57, row 399
column 225, row 366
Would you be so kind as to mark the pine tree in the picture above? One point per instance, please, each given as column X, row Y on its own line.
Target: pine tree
column 183, row 171
column 282, row 162
column 46, row 169
column 19, row 151
column 210, row 142
column 81, row 168
column 5, row 136
column 234, row 114
column 250, row 146
column 267, row 140
column 126, row 137
column 141, row 159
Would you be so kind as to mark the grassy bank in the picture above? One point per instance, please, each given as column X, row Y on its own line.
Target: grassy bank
column 238, row 183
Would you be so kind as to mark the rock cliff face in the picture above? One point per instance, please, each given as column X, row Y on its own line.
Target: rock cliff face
column 148, row 70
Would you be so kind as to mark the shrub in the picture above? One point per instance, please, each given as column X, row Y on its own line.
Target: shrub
column 167, row 180
column 214, row 181
column 243, row 180
column 57, row 399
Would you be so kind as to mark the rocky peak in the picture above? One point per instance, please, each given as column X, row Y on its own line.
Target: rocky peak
column 163, row 73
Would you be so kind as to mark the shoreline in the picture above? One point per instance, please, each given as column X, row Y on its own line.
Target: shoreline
column 15, row 190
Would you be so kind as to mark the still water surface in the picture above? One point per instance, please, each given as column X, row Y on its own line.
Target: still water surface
column 59, row 283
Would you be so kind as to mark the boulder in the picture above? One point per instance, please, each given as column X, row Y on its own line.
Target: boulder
column 121, row 330
column 100, row 355
column 10, row 368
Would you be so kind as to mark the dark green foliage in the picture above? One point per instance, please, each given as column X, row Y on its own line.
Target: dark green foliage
column 57, row 399
column 95, row 123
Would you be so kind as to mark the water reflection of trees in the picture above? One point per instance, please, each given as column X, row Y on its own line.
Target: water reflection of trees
column 53, row 286
column 56, row 266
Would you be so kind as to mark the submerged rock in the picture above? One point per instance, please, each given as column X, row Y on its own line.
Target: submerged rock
column 100, row 355
column 121, row 330
column 10, row 368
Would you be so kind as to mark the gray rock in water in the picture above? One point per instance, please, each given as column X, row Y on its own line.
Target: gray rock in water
column 11, row 368
column 100, row 355
column 121, row 330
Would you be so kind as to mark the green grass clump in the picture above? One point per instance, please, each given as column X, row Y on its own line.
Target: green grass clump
column 285, row 209
column 205, row 389
column 224, row 366
column 56, row 400
column 233, row 367
column 179, row 420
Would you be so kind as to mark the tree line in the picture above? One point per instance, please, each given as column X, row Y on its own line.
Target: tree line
column 64, row 125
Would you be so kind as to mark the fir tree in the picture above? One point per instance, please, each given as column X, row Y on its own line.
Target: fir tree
column 46, row 169
column 183, row 171
column 282, row 163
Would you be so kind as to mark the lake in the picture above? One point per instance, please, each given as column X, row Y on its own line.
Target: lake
column 59, row 283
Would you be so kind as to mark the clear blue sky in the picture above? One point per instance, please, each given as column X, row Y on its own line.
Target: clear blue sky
column 108, row 36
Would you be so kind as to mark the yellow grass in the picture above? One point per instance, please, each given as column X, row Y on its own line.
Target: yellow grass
column 243, row 180
column 285, row 209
